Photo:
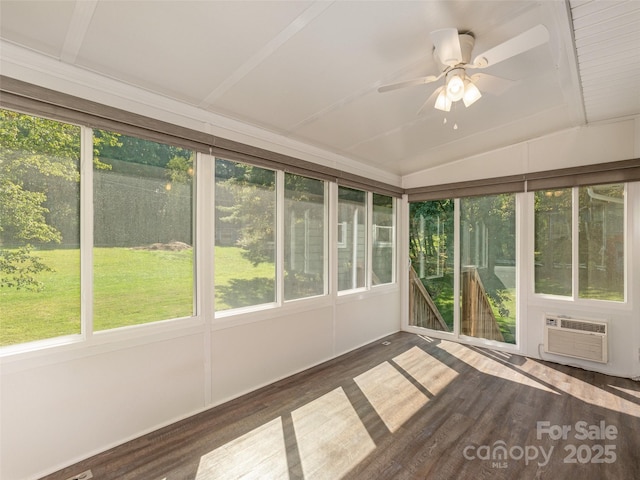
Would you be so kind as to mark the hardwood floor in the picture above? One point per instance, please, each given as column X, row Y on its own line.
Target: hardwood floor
column 416, row 408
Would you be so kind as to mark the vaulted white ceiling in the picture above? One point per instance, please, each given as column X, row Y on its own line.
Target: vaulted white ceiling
column 309, row 70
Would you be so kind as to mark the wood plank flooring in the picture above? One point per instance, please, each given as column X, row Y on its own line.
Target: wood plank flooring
column 417, row 408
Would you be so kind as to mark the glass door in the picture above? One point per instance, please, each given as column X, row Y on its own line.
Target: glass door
column 478, row 298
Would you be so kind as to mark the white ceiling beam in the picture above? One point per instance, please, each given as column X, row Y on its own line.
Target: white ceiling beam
column 265, row 52
column 78, row 27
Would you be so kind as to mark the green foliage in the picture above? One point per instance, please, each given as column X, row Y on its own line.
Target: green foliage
column 252, row 211
column 23, row 214
column 37, row 157
column 39, row 184
column 133, row 149
column 431, row 235
column 180, row 169
column 18, row 269
column 32, row 150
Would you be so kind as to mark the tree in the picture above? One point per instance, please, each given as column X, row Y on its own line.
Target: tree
column 137, row 150
column 427, row 242
column 36, row 154
column 252, row 211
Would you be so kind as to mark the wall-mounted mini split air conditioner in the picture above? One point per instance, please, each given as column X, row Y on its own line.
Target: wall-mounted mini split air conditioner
column 577, row 338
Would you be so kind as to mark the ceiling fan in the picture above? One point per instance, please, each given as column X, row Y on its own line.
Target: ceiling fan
column 452, row 52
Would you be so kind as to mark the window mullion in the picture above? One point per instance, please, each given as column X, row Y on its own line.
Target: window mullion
column 86, row 232
column 368, row 241
column 204, row 258
column 575, row 243
column 280, row 237
column 456, row 268
column 333, row 239
column 394, row 240
column 328, row 239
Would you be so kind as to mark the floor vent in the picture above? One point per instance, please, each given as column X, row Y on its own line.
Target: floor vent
column 86, row 475
column 571, row 337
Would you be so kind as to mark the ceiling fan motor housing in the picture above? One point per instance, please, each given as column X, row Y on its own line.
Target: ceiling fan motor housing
column 467, row 41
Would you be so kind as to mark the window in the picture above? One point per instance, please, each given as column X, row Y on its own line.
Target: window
column 601, row 242
column 143, row 231
column 383, row 239
column 552, row 251
column 352, row 208
column 39, row 228
column 131, row 231
column 305, row 237
column 599, row 272
column 245, row 235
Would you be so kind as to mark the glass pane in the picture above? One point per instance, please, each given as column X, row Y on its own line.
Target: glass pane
column 39, row 228
column 245, row 229
column 352, row 208
column 384, row 238
column 601, row 243
column 143, row 231
column 431, row 250
column 552, row 253
column 488, row 267
column 305, row 238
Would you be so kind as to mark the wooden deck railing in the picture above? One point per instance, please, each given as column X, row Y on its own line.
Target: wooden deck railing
column 422, row 311
column 477, row 319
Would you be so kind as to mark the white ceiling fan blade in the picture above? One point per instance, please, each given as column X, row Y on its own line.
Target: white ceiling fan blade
column 430, row 101
column 409, row 83
column 447, row 46
column 512, row 47
column 491, row 84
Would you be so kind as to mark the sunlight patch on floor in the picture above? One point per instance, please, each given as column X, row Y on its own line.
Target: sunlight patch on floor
column 331, row 437
column 628, row 391
column 489, row 366
column 256, row 455
column 428, row 371
column 392, row 396
column 592, row 394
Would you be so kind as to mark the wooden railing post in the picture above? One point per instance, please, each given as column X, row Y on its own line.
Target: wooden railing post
column 477, row 319
column 422, row 310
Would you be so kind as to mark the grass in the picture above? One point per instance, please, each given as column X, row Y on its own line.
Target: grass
column 54, row 311
column 131, row 287
column 441, row 291
column 239, row 283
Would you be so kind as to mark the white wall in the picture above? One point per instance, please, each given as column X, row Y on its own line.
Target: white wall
column 605, row 142
column 586, row 145
column 59, row 407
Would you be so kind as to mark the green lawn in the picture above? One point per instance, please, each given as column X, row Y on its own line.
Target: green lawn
column 28, row 315
column 130, row 287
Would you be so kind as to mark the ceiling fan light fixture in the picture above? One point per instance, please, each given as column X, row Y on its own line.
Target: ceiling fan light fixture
column 455, row 86
column 471, row 93
column 443, row 102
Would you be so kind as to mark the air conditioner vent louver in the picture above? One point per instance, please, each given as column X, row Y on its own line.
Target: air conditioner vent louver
column 575, row 338
column 583, row 326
